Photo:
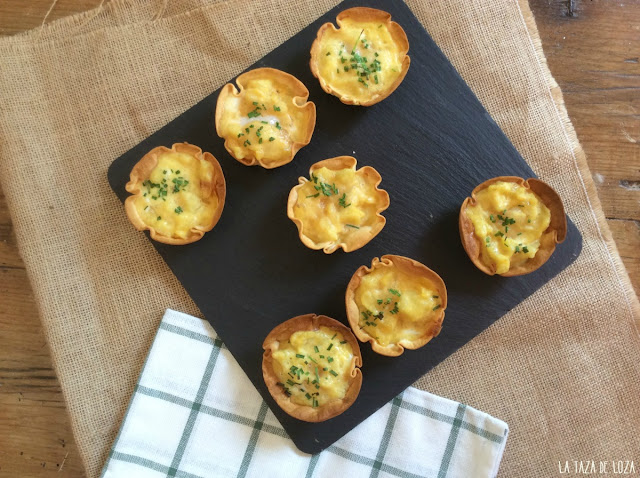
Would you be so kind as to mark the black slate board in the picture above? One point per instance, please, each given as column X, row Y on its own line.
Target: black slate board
column 432, row 142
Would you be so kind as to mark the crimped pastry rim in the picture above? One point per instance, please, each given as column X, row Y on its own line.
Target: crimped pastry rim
column 336, row 164
column 363, row 14
column 553, row 235
column 140, row 172
column 302, row 412
column 299, row 101
column 405, row 264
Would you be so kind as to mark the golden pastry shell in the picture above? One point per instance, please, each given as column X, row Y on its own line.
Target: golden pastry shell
column 299, row 100
column 410, row 267
column 553, row 235
column 281, row 333
column 141, row 172
column 362, row 14
column 358, row 237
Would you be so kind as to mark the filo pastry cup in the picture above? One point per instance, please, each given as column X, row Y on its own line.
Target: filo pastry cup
column 396, row 304
column 311, row 366
column 338, row 207
column 178, row 193
column 511, row 226
column 364, row 60
column 266, row 119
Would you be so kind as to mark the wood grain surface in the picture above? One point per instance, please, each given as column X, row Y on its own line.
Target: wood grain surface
column 593, row 51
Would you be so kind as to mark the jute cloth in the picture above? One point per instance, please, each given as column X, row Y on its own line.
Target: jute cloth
column 563, row 368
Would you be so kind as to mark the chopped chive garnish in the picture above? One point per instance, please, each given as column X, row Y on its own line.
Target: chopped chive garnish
column 334, row 336
column 329, row 359
column 351, row 225
column 525, row 249
column 299, row 355
column 343, row 342
column 271, row 138
column 332, row 372
column 395, row 292
column 276, row 108
column 158, row 218
column 278, row 123
column 437, row 307
column 315, row 347
column 435, row 296
column 312, row 359
column 314, row 195
column 329, row 347
column 178, row 210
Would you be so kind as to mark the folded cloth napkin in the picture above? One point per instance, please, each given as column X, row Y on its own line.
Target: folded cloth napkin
column 194, row 413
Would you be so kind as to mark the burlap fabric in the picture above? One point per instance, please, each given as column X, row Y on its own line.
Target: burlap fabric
column 562, row 368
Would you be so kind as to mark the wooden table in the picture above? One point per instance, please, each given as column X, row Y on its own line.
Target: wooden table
column 593, row 51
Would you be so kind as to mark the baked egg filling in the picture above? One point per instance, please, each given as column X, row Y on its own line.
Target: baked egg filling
column 178, row 195
column 360, row 59
column 263, row 122
column 394, row 305
column 509, row 221
column 335, row 204
column 313, row 367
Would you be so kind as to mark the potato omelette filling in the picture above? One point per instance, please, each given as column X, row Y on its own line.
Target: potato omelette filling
column 359, row 60
column 178, row 195
column 509, row 220
column 263, row 122
column 395, row 305
column 314, row 366
column 335, row 204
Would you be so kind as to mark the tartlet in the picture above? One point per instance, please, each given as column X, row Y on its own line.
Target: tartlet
column 396, row 304
column 364, row 60
column 310, row 366
column 510, row 226
column 177, row 194
column 339, row 207
column 267, row 120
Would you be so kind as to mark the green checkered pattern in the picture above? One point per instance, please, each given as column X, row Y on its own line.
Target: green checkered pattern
column 195, row 414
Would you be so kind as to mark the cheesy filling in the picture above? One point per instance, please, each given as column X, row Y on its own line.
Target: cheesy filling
column 335, row 204
column 263, row 122
column 313, row 367
column 509, row 220
column 359, row 60
column 395, row 305
column 173, row 198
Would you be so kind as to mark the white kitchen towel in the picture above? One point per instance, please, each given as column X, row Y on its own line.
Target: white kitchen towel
column 194, row 413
